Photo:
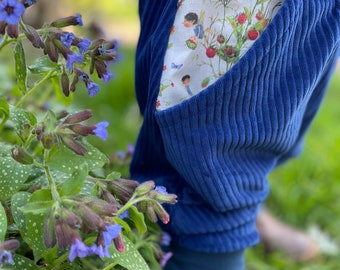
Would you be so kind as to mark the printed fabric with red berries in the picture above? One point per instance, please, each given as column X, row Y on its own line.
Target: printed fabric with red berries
column 207, row 38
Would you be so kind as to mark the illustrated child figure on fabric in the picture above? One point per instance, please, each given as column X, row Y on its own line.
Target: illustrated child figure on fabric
column 257, row 77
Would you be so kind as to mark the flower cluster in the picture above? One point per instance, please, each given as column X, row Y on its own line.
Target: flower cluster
column 84, row 214
column 10, row 15
column 59, row 44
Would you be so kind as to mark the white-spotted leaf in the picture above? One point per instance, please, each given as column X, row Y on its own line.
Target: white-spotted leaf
column 67, row 161
column 12, row 176
column 3, row 223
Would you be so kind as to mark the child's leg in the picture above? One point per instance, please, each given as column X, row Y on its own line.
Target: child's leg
column 184, row 259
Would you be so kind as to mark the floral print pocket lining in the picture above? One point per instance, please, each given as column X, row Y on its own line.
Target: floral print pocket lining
column 207, row 38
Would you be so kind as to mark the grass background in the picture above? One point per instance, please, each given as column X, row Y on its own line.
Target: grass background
column 304, row 192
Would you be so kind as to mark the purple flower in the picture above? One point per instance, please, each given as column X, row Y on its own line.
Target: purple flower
column 101, row 131
column 11, row 11
column 100, row 251
column 84, row 45
column 165, row 259
column 125, row 214
column 67, row 39
column 79, row 19
column 73, row 58
column 6, row 257
column 92, row 88
column 165, row 239
column 161, row 189
column 78, row 249
column 107, row 76
column 111, row 233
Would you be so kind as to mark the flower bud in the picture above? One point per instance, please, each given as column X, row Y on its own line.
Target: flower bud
column 10, row 245
column 108, row 197
column 33, row 36
column 163, row 197
column 122, row 188
column 102, row 208
column 51, row 50
column 62, row 114
column 65, row 234
column 91, row 220
column 49, row 230
column 145, row 187
column 78, row 117
column 68, row 21
column 82, row 130
column 119, row 243
column 47, row 140
column 3, row 25
column 21, row 156
column 161, row 213
column 65, row 83
column 71, row 143
column 151, row 213
column 13, row 30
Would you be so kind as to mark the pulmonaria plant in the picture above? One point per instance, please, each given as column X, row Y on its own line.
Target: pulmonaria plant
column 63, row 206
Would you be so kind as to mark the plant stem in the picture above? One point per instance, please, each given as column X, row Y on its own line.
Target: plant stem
column 55, row 194
column 131, row 203
column 35, row 88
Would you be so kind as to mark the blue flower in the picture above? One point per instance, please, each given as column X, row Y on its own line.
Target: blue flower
column 11, row 11
column 67, row 39
column 101, row 131
column 111, row 233
column 84, row 45
column 6, row 257
column 100, row 251
column 125, row 214
column 92, row 88
column 161, row 189
column 78, row 249
column 79, row 19
column 107, row 76
column 73, row 58
column 30, row 2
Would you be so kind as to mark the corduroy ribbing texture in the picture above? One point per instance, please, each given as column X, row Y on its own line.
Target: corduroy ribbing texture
column 215, row 150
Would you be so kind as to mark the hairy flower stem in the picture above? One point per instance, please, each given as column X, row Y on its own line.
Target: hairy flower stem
column 130, row 203
column 55, row 194
column 35, row 88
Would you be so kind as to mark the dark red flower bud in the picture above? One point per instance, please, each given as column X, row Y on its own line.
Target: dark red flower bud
column 33, row 36
column 78, row 117
column 13, row 30
column 51, row 50
column 65, row 83
column 70, row 142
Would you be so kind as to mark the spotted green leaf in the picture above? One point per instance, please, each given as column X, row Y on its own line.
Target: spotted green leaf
column 74, row 184
column 18, row 200
column 67, row 161
column 12, row 176
column 19, row 117
column 3, row 223
column 43, row 64
column 23, row 263
column 131, row 259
